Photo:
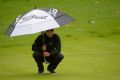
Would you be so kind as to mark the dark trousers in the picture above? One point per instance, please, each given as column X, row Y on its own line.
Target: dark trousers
column 53, row 60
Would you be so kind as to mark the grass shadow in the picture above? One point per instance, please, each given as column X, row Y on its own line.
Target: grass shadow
column 27, row 76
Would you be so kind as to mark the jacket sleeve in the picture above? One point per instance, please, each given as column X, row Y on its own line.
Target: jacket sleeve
column 37, row 45
column 57, row 48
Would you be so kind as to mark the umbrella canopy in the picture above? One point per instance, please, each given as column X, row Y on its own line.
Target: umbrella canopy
column 38, row 20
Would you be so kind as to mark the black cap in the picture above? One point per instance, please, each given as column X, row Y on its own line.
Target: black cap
column 50, row 30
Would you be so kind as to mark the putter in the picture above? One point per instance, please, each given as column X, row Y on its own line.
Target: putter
column 45, row 60
column 44, row 48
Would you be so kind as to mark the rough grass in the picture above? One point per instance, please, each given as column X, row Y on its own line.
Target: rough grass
column 92, row 50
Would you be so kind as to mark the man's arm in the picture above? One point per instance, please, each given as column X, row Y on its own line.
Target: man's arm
column 57, row 48
column 37, row 45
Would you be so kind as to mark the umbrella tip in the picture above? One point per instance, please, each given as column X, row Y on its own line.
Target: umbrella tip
column 35, row 7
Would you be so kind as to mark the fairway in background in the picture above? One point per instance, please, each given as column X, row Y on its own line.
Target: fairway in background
column 91, row 44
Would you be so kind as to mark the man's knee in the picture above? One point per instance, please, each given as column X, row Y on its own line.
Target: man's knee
column 60, row 57
column 35, row 54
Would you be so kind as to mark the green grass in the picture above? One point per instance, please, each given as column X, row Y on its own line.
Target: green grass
column 92, row 51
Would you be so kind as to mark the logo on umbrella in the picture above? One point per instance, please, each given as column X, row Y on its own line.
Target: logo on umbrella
column 32, row 17
column 53, row 12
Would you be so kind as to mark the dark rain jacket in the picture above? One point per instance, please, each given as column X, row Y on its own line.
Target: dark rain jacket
column 53, row 45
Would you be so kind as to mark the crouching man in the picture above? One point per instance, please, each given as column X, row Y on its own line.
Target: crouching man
column 47, row 48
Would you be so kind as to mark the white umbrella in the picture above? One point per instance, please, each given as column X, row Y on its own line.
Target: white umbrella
column 38, row 20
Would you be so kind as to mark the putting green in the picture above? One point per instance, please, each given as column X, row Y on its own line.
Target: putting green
column 91, row 44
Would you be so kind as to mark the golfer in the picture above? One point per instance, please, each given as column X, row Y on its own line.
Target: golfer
column 47, row 48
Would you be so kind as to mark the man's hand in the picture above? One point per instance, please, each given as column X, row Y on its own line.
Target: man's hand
column 46, row 54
